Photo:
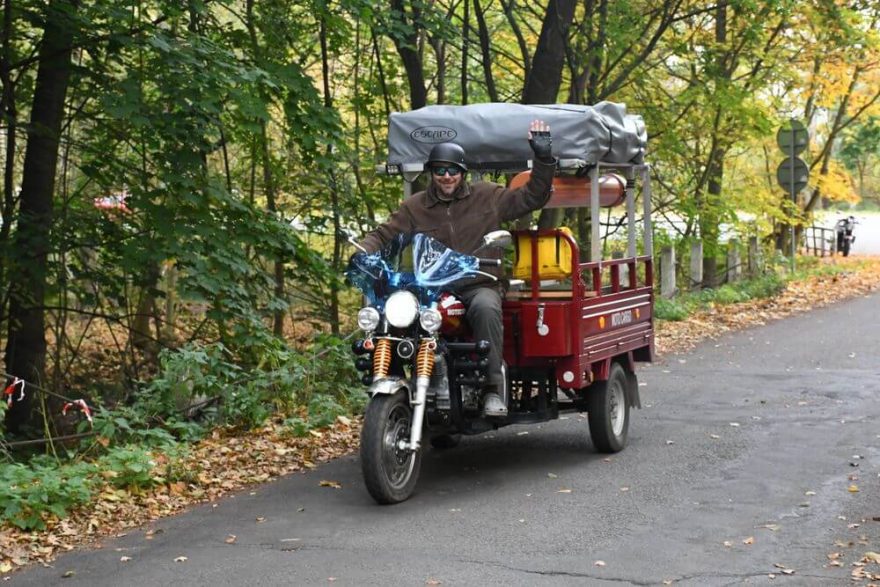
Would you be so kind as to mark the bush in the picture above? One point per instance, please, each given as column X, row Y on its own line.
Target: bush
column 297, row 426
column 131, row 467
column 728, row 294
column 764, row 287
column 281, row 380
column 31, row 493
column 674, row 310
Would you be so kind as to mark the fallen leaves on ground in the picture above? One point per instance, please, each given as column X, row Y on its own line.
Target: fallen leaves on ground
column 229, row 461
column 771, row 527
column 871, row 557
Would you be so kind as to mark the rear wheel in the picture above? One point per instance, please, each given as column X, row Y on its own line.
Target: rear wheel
column 390, row 472
column 609, row 411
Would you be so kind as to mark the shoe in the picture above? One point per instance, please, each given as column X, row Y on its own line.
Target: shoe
column 493, row 406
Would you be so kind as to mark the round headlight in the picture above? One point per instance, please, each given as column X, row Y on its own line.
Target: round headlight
column 401, row 309
column 430, row 320
column 368, row 319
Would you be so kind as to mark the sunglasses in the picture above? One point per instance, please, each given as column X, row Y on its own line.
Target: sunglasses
column 441, row 171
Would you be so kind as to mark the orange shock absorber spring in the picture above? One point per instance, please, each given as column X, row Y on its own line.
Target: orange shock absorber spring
column 425, row 358
column 381, row 359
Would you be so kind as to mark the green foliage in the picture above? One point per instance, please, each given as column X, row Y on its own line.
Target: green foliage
column 28, row 494
column 131, row 467
column 281, row 380
column 190, row 372
column 323, row 410
column 763, row 287
column 670, row 309
column 127, row 424
column 297, row 426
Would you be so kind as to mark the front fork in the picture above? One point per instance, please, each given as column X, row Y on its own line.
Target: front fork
column 424, row 367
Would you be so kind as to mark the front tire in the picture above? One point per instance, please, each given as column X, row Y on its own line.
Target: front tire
column 846, row 246
column 609, row 411
column 390, row 473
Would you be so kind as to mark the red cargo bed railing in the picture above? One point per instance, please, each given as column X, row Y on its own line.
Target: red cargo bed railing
column 594, row 269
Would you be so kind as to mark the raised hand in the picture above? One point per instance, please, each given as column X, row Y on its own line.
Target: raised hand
column 541, row 141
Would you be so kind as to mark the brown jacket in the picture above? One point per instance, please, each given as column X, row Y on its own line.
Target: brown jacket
column 474, row 210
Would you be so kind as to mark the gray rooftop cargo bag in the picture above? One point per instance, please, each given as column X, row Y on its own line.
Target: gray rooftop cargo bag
column 494, row 136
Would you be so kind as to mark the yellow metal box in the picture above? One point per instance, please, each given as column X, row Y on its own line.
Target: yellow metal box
column 554, row 257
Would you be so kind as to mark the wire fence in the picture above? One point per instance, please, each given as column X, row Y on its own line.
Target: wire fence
column 820, row 241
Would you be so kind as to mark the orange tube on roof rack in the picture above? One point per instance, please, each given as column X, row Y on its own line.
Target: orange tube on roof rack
column 574, row 192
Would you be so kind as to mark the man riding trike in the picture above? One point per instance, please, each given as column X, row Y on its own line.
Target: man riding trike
column 522, row 354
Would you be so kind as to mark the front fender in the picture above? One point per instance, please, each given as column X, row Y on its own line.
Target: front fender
column 390, row 386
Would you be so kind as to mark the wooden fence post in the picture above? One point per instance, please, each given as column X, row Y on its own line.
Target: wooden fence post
column 734, row 262
column 667, row 272
column 696, row 274
column 754, row 257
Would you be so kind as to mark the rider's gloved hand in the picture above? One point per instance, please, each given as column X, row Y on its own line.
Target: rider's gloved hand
column 541, row 143
column 358, row 258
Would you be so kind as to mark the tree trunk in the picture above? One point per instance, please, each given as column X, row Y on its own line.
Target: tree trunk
column 542, row 85
column 465, row 50
column 407, row 48
column 9, row 113
column 709, row 221
column 486, row 52
column 709, row 229
column 141, row 337
column 439, row 46
column 26, row 346
column 334, row 188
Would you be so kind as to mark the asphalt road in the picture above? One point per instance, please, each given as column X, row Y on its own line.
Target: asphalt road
column 752, row 438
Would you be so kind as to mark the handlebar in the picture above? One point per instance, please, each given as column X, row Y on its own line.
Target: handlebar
column 489, row 262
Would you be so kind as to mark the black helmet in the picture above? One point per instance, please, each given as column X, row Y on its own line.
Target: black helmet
column 447, row 153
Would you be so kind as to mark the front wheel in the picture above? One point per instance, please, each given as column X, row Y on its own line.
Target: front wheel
column 846, row 246
column 390, row 472
column 609, row 411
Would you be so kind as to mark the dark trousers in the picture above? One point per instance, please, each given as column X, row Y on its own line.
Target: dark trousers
column 484, row 316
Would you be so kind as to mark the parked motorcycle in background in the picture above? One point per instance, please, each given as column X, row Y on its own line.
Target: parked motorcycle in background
column 845, row 236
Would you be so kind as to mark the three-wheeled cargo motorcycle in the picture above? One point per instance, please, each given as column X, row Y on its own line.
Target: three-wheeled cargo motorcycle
column 573, row 330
